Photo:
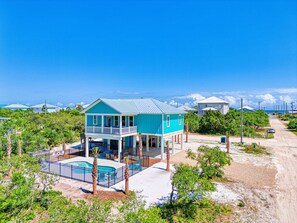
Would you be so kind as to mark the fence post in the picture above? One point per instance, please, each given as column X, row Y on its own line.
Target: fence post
column 114, row 177
column 108, row 178
column 60, row 169
column 84, row 174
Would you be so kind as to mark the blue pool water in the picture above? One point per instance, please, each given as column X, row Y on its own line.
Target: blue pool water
column 85, row 167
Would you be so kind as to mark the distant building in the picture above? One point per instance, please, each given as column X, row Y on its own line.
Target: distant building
column 187, row 108
column 50, row 108
column 247, row 109
column 16, row 107
column 213, row 104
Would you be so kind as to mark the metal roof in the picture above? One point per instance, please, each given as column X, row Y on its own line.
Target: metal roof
column 16, row 106
column 212, row 99
column 138, row 106
column 41, row 105
column 186, row 108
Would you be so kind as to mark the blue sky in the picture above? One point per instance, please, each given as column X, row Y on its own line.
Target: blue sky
column 176, row 51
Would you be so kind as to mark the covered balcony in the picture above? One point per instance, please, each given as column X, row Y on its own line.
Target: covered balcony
column 110, row 124
column 111, row 130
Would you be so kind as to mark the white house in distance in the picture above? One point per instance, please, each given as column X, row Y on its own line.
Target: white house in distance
column 50, row 108
column 16, row 107
column 247, row 109
column 187, row 108
column 214, row 104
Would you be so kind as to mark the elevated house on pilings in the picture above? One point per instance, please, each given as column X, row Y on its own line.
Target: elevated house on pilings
column 119, row 121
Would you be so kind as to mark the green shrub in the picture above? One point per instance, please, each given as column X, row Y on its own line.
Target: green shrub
column 292, row 124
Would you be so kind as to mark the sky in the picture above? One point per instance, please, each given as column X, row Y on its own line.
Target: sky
column 180, row 52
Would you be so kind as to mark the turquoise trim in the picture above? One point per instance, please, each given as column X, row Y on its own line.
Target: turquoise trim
column 102, row 108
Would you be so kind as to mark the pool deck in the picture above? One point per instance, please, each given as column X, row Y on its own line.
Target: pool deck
column 101, row 162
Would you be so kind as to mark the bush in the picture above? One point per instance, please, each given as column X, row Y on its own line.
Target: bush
column 292, row 124
column 210, row 160
column 254, row 148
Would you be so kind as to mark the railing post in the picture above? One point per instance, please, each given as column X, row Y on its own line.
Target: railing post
column 108, row 179
column 93, row 129
column 110, row 129
column 84, row 174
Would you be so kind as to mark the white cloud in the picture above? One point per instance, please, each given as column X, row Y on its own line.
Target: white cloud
column 266, row 98
column 285, row 98
column 285, row 90
column 232, row 100
column 59, row 104
column 195, row 97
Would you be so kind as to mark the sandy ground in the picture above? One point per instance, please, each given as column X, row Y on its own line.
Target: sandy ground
column 268, row 184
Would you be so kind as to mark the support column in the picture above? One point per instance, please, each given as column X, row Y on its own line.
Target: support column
column 108, row 144
column 162, row 148
column 119, row 149
column 147, row 143
column 134, row 144
column 172, row 139
column 102, row 123
column 87, row 146
column 182, row 141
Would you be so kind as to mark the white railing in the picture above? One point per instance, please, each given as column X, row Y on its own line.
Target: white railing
column 111, row 130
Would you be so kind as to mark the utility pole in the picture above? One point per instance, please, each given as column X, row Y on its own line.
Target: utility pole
column 259, row 103
column 241, row 118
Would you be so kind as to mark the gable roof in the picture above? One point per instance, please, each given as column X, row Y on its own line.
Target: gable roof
column 16, row 106
column 47, row 105
column 186, row 108
column 137, row 106
column 212, row 99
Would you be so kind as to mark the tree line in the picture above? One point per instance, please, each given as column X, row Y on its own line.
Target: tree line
column 214, row 122
column 35, row 131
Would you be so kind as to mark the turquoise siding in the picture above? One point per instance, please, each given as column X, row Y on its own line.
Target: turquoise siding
column 90, row 120
column 149, row 124
column 102, row 108
column 174, row 125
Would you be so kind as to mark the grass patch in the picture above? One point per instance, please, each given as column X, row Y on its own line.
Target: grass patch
column 203, row 210
column 256, row 149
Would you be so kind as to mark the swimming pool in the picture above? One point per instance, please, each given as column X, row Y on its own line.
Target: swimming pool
column 86, row 167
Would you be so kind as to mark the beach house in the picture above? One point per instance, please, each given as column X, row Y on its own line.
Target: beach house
column 213, row 104
column 119, row 121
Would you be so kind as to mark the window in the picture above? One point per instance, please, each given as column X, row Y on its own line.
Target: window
column 116, row 121
column 95, row 119
column 123, row 121
column 131, row 120
column 168, row 121
column 179, row 120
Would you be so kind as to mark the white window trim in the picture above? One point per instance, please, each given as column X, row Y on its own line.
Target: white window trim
column 95, row 117
column 167, row 122
column 179, row 119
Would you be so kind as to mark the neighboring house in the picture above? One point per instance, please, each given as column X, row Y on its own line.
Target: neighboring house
column 16, row 107
column 50, row 108
column 247, row 109
column 119, row 121
column 187, row 108
column 214, row 104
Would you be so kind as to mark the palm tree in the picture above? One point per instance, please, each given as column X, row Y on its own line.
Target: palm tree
column 140, row 146
column 95, row 170
column 168, row 157
column 227, row 142
column 126, row 176
column 8, row 146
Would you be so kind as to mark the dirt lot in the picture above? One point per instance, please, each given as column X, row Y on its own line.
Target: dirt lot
column 268, row 184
